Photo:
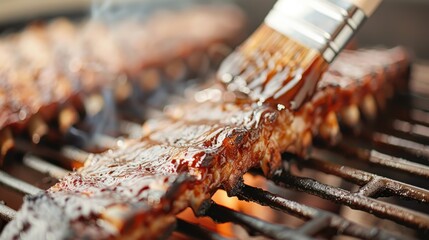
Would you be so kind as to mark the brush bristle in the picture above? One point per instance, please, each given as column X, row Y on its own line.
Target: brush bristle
column 270, row 67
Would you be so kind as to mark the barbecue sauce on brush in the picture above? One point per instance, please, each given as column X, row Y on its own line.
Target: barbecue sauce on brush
column 270, row 68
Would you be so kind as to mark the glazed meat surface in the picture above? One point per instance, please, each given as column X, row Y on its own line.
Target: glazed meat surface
column 47, row 64
column 198, row 146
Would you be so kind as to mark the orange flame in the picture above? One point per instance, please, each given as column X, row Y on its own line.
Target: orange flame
column 221, row 197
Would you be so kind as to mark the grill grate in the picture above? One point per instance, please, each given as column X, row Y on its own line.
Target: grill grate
column 317, row 220
column 362, row 200
column 386, row 159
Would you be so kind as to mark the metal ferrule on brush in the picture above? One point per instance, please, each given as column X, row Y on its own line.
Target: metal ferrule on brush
column 325, row 25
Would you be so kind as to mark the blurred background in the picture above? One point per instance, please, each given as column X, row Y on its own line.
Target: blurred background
column 397, row 22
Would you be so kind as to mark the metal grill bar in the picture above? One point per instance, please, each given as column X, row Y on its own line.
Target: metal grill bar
column 419, row 117
column 105, row 141
column 90, row 140
column 411, row 146
column 253, row 225
column 45, row 152
column 197, row 231
column 377, row 158
column 6, row 213
column 407, row 145
column 387, row 148
column 410, row 115
column 17, row 185
column 75, row 154
column 317, row 218
column 407, row 130
column 131, row 129
column 354, row 200
column 372, row 185
column 415, row 100
column 44, row 167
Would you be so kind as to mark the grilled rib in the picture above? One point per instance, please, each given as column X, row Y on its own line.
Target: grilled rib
column 135, row 191
column 46, row 65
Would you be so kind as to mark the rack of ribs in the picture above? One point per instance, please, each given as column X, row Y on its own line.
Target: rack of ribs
column 197, row 147
column 47, row 68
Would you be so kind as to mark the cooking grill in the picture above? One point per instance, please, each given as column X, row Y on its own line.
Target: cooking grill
column 383, row 167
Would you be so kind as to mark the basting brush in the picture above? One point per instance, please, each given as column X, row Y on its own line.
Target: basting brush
column 283, row 60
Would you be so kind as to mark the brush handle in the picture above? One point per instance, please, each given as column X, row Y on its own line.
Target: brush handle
column 324, row 25
column 367, row 6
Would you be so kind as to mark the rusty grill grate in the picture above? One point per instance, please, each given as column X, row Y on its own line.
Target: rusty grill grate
column 385, row 160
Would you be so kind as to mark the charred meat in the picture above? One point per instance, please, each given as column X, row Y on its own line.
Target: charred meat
column 207, row 142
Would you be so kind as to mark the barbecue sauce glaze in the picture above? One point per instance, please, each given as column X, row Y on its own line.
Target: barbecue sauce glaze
column 272, row 68
column 135, row 190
